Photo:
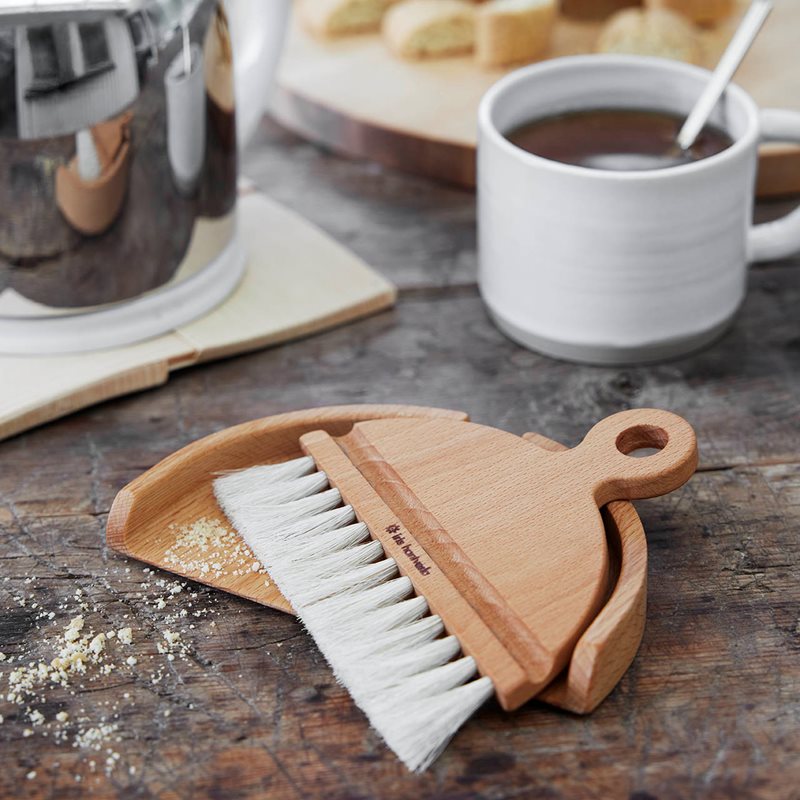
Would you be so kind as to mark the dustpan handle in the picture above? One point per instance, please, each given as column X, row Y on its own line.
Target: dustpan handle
column 605, row 457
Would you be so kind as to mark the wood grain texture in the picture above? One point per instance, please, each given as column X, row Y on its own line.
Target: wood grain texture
column 462, row 497
column 471, row 500
column 148, row 513
column 709, row 707
column 350, row 95
column 444, row 597
column 608, row 646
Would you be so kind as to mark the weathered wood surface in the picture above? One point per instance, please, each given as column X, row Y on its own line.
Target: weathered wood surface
column 710, row 706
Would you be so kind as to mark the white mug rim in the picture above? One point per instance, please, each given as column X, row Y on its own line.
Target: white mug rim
column 498, row 139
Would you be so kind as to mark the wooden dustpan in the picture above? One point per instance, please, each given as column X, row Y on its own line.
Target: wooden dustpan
column 596, row 645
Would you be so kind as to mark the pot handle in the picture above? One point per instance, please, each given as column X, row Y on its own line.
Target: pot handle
column 257, row 30
column 780, row 238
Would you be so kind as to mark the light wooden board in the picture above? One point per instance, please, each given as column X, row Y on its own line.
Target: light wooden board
column 352, row 95
column 298, row 281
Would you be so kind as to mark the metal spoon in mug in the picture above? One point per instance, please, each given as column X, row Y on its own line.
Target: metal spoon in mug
column 734, row 53
column 737, row 48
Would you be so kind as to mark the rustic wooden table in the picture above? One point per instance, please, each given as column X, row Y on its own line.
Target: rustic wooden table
column 243, row 705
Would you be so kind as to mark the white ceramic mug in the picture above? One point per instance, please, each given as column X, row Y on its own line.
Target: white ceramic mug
column 620, row 267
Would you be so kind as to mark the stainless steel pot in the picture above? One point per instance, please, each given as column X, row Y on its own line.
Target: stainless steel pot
column 118, row 163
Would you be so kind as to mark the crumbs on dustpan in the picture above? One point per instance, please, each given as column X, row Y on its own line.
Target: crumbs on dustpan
column 210, row 549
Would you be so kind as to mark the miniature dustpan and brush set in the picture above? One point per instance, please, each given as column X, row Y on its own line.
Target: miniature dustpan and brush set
column 436, row 562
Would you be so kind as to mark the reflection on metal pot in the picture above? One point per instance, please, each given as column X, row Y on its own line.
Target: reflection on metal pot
column 117, row 150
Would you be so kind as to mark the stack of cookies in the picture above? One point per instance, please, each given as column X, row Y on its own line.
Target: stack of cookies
column 665, row 28
column 503, row 33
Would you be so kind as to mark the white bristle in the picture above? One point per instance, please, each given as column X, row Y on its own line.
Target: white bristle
column 296, row 532
column 382, row 619
column 397, row 641
column 418, row 730
column 441, row 679
column 389, row 598
column 312, row 571
column 385, row 611
column 304, row 548
column 370, row 670
column 413, row 634
column 269, row 473
column 347, row 582
column 381, row 596
column 386, row 668
column 378, row 636
column 280, row 491
column 286, row 491
column 324, row 522
column 296, row 510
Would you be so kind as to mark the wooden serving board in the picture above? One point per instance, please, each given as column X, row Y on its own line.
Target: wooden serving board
column 353, row 96
column 298, row 281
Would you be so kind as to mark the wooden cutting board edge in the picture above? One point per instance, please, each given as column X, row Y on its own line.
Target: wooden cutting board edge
column 329, row 119
column 451, row 162
column 442, row 160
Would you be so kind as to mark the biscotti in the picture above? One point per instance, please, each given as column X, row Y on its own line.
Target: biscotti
column 595, row 9
column 513, row 31
column 330, row 18
column 703, row 12
column 651, row 32
column 417, row 29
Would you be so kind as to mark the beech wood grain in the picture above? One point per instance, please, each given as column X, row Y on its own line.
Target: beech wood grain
column 147, row 513
column 177, row 492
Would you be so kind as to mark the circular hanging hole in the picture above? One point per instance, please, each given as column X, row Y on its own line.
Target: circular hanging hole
column 642, row 440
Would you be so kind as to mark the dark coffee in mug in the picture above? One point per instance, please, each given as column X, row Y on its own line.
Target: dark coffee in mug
column 616, row 139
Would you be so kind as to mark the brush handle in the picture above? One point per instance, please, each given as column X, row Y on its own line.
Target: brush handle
column 504, row 541
column 616, row 474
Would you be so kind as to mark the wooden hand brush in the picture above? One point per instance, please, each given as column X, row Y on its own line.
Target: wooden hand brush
column 437, row 561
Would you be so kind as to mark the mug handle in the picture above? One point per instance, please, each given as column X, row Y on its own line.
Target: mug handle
column 781, row 238
column 257, row 29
